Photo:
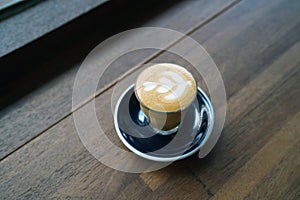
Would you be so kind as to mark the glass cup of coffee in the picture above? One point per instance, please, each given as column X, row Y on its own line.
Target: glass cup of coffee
column 165, row 91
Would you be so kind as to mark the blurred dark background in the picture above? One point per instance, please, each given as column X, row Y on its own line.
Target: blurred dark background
column 37, row 62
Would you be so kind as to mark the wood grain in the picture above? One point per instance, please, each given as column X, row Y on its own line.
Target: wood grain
column 283, row 143
column 256, row 46
column 39, row 110
column 251, row 114
column 283, row 181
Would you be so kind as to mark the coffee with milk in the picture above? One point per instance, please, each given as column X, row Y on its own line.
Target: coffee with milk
column 164, row 91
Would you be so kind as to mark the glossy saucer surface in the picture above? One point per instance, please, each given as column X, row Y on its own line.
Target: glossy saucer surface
column 132, row 127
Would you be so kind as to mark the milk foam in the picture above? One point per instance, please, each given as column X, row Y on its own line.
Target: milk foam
column 165, row 87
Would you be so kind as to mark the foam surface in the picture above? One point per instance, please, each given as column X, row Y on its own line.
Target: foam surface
column 165, row 87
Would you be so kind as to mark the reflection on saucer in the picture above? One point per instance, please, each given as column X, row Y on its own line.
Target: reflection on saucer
column 133, row 129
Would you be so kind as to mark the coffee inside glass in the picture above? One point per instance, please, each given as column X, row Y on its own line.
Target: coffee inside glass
column 165, row 91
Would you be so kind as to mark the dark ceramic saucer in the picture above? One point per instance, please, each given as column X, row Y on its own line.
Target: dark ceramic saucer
column 132, row 127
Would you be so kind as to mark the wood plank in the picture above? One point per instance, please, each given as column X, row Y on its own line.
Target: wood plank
column 53, row 169
column 244, row 54
column 48, row 174
column 245, row 101
column 254, row 130
column 254, row 119
column 234, row 43
column 283, row 143
column 284, row 180
column 56, row 164
column 50, row 103
column 140, row 190
column 167, row 182
column 250, row 82
column 181, row 185
column 56, row 171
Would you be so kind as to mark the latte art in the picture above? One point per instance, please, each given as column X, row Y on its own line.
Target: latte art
column 165, row 87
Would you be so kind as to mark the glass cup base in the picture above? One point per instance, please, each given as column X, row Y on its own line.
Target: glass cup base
column 167, row 132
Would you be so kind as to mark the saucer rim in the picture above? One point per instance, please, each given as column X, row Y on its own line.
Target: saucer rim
column 165, row 159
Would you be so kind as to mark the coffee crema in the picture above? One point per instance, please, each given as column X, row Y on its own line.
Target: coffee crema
column 165, row 87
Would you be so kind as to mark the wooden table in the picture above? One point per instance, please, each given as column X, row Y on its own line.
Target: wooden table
column 256, row 47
